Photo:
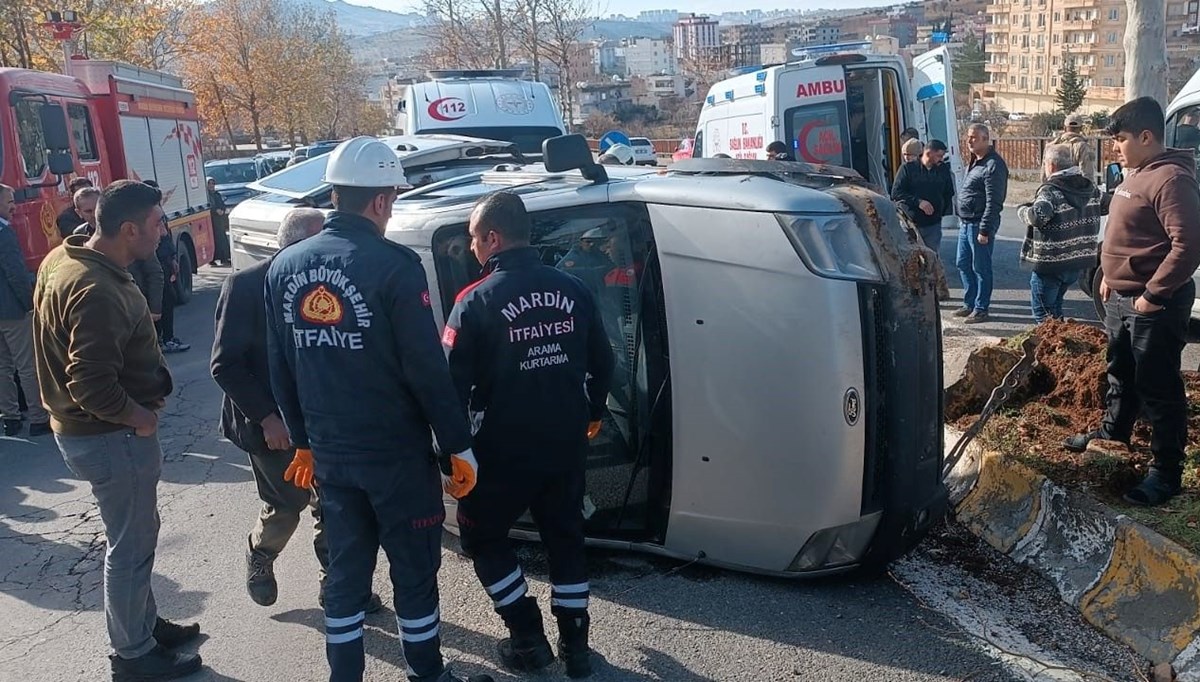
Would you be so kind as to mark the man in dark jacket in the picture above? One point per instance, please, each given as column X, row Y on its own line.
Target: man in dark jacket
column 361, row 381
column 166, row 273
column 1061, row 227
column 980, row 200
column 925, row 192
column 16, row 330
column 533, row 366
column 1151, row 249
column 219, row 213
column 71, row 217
column 250, row 418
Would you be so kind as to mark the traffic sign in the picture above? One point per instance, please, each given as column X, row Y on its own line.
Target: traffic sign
column 613, row 137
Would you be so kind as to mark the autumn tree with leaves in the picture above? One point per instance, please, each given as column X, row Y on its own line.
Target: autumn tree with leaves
column 257, row 65
column 146, row 33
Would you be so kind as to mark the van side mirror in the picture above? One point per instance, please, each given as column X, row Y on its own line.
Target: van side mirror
column 1113, row 175
column 54, row 128
column 570, row 152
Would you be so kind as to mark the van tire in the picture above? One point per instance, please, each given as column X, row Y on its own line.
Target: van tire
column 183, row 283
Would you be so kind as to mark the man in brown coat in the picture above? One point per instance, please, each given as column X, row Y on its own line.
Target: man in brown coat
column 1082, row 149
column 1151, row 248
column 103, row 380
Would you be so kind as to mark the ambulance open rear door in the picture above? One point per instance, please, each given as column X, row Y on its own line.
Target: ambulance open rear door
column 933, row 80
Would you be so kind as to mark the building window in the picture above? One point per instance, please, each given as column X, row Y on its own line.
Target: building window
column 1110, row 60
column 1041, row 21
column 1058, row 16
column 1056, row 38
column 1012, row 80
column 1041, row 62
column 1112, row 37
column 1054, row 61
column 1054, row 81
column 1108, row 82
column 1024, row 83
column 1114, row 14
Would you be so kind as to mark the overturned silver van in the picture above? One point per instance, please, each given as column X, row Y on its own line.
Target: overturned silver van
column 777, row 406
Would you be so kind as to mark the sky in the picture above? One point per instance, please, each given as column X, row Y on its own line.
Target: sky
column 631, row 8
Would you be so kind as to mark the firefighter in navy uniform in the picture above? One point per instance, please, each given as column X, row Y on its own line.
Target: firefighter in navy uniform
column 360, row 380
column 531, row 361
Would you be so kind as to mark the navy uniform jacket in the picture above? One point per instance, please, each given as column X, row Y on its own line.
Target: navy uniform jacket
column 355, row 364
column 529, row 353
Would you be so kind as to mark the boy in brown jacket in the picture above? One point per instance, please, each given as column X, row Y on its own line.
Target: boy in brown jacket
column 1151, row 248
column 103, row 379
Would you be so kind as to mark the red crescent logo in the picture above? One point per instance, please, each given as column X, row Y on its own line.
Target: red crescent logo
column 803, row 146
column 447, row 109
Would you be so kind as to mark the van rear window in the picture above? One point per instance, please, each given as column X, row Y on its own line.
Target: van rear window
column 819, row 134
column 527, row 138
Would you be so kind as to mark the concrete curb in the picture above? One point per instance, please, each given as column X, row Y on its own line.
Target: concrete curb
column 1132, row 583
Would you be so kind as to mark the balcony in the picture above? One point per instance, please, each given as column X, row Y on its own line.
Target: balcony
column 1075, row 4
column 1080, row 24
column 995, row 68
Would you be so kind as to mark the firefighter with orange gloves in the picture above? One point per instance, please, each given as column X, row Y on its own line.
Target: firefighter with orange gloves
column 361, row 381
column 533, row 365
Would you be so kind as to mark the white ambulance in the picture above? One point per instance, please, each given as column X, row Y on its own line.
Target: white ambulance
column 841, row 105
column 490, row 104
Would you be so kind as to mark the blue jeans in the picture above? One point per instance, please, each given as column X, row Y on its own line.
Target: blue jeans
column 974, row 261
column 1046, row 292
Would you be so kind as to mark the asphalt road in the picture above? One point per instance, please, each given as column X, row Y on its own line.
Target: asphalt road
column 932, row 620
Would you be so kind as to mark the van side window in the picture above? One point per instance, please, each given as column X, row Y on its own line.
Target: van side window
column 698, row 145
column 609, row 247
column 818, row 133
column 82, row 133
column 31, row 138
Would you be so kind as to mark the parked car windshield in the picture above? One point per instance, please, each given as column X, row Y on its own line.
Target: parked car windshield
column 238, row 173
column 528, row 139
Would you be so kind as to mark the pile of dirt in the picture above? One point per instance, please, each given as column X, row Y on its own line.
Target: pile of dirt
column 1064, row 395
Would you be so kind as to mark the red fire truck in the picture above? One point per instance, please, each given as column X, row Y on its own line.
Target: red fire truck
column 106, row 121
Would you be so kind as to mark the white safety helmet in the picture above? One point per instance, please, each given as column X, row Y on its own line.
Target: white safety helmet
column 364, row 162
column 621, row 153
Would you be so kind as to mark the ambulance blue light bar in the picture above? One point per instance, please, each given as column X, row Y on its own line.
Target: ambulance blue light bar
column 801, row 53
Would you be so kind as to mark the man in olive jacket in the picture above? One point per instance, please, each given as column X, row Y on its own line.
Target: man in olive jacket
column 103, row 381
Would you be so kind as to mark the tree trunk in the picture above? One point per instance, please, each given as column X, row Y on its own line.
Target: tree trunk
column 502, row 53
column 1146, row 50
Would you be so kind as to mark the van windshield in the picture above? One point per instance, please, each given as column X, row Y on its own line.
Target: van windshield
column 1183, row 130
column 232, row 173
column 527, row 138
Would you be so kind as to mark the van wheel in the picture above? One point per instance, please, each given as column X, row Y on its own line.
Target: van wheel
column 183, row 283
column 1097, row 278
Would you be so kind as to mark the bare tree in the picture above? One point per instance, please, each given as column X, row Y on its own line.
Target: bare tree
column 454, row 35
column 528, row 30
column 495, row 18
column 1146, row 50
column 566, row 22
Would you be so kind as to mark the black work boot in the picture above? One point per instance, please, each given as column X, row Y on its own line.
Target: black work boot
column 12, row 427
column 260, row 579
column 527, row 649
column 159, row 664
column 170, row 635
column 573, row 645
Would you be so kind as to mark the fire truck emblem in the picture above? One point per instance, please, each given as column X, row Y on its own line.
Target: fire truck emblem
column 320, row 306
column 46, row 222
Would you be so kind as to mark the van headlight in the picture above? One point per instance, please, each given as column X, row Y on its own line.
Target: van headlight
column 832, row 246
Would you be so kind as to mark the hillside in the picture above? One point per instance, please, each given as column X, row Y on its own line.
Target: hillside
column 366, row 21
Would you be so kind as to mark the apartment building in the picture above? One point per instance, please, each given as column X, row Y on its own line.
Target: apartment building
column 649, row 56
column 1029, row 41
column 696, row 37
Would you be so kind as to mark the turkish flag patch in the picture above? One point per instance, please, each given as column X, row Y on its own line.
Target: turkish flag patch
column 425, row 300
column 449, row 336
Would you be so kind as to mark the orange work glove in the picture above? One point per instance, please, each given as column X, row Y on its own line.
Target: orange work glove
column 300, row 471
column 593, row 429
column 463, row 472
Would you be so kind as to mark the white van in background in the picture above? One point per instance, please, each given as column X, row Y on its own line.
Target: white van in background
column 489, row 104
column 841, row 105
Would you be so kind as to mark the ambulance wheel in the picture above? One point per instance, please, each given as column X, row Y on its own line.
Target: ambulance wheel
column 183, row 283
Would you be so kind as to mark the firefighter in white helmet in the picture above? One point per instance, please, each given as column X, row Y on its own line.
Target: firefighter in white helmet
column 617, row 155
column 359, row 374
